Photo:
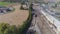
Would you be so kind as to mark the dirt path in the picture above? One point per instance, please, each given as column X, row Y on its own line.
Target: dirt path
column 15, row 18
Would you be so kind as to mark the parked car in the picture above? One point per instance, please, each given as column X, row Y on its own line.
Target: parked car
column 35, row 15
column 9, row 9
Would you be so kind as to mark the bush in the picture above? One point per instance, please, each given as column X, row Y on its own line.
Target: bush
column 7, row 29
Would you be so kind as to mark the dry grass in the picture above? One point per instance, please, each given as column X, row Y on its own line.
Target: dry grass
column 15, row 18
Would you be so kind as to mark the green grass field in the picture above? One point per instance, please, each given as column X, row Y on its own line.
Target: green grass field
column 4, row 3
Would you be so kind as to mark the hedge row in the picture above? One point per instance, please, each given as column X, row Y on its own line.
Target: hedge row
column 27, row 23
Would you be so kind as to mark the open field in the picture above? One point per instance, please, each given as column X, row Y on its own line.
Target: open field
column 4, row 3
column 15, row 18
